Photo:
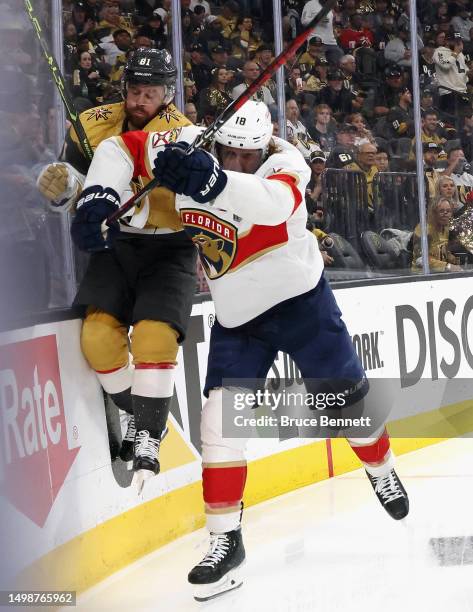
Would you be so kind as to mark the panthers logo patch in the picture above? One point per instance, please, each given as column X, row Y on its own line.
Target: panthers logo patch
column 98, row 113
column 216, row 240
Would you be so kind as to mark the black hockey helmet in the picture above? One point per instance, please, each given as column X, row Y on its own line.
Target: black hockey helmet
column 151, row 67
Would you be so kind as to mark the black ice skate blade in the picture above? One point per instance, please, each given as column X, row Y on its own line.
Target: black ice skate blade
column 203, row 599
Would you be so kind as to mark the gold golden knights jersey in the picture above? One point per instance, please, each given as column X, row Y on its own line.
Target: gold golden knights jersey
column 158, row 209
column 252, row 239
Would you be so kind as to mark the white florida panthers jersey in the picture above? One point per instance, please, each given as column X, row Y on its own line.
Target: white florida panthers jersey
column 252, row 239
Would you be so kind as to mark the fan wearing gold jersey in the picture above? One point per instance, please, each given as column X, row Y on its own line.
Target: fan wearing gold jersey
column 146, row 277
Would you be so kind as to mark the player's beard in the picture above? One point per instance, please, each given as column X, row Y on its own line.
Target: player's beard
column 139, row 117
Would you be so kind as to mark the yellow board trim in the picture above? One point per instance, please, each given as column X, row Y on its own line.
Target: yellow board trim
column 91, row 557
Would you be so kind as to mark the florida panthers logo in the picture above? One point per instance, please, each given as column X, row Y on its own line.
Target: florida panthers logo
column 99, row 113
column 163, row 138
column 215, row 240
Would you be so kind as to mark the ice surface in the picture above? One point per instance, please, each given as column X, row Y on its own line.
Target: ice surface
column 331, row 547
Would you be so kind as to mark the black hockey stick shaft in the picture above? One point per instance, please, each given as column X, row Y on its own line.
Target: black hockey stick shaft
column 61, row 86
column 207, row 136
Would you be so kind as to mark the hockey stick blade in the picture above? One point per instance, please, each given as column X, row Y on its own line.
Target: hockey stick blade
column 229, row 111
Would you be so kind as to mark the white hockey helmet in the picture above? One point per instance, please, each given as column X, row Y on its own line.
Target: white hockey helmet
column 249, row 128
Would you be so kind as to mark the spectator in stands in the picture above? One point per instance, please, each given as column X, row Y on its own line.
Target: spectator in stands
column 468, row 47
column 296, row 131
column 363, row 134
column 110, row 20
column 154, row 30
column 431, row 132
column 440, row 39
column 81, row 18
column 426, row 100
column 355, row 35
column 294, row 85
column 466, row 134
column 462, row 22
column 216, row 95
column 439, row 216
column 198, row 20
column 316, row 162
column 336, row 96
column 324, row 30
column 382, row 160
column 431, row 152
column 322, row 131
column 190, row 90
column 382, row 8
column 190, row 111
column 244, row 39
column 250, row 73
column 314, row 53
column 219, row 57
column 212, row 38
column 145, row 8
column 366, row 162
column 398, row 49
column 342, row 155
column 387, row 95
column 352, row 80
column 460, row 171
column 116, row 51
column 384, row 33
column 317, row 78
column 426, row 63
column 86, row 82
column 164, row 11
column 203, row 3
column 229, row 17
column 452, row 75
column 400, row 121
column 200, row 68
column 141, row 41
column 263, row 57
column 446, row 188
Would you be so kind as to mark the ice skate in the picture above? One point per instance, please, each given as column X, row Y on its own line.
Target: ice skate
column 146, row 459
column 391, row 494
column 220, row 569
column 126, row 450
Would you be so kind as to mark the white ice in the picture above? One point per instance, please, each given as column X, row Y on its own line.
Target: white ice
column 329, row 547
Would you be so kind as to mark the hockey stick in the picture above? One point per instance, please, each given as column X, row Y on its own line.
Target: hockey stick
column 71, row 112
column 206, row 136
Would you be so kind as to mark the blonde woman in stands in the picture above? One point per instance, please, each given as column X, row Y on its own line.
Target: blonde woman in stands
column 441, row 259
column 446, row 188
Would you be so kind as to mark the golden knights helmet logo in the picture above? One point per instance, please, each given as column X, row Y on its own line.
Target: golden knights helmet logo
column 215, row 240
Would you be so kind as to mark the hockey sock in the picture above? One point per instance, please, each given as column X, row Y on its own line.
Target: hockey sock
column 223, row 486
column 117, row 383
column 151, row 392
column 375, row 455
column 123, row 400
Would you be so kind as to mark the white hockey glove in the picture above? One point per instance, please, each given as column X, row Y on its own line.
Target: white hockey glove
column 61, row 184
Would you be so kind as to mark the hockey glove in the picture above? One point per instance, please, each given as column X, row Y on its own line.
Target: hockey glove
column 60, row 183
column 93, row 208
column 197, row 175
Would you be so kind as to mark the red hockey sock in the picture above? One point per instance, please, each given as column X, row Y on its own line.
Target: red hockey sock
column 223, row 486
column 375, row 452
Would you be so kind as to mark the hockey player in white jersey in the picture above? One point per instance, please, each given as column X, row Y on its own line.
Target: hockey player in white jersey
column 244, row 209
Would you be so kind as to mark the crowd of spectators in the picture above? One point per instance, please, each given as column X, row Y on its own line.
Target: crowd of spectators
column 348, row 90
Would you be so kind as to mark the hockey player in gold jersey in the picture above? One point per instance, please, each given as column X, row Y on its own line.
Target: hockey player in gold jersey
column 146, row 279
